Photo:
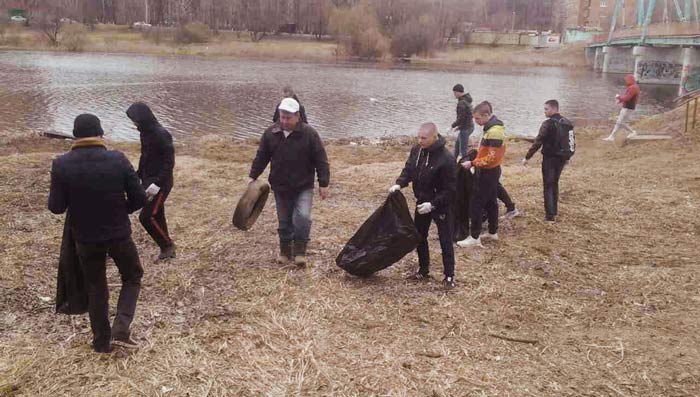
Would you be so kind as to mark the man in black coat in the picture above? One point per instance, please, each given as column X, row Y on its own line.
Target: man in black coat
column 99, row 189
column 552, row 163
column 156, row 173
column 431, row 169
column 295, row 153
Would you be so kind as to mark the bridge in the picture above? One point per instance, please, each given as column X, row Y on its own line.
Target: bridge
column 664, row 52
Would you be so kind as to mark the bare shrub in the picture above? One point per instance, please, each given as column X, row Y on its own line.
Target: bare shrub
column 358, row 30
column 74, row 37
column 192, row 33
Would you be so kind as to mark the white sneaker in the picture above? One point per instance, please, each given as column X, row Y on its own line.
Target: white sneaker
column 609, row 139
column 470, row 242
column 512, row 214
column 489, row 236
column 632, row 135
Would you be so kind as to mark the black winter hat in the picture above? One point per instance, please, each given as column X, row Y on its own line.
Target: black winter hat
column 87, row 125
column 458, row 88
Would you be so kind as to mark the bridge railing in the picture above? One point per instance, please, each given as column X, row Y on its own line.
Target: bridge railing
column 687, row 100
column 655, row 30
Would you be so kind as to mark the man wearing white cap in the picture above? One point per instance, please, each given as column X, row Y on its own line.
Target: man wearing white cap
column 295, row 153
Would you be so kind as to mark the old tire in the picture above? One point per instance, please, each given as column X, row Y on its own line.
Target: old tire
column 251, row 205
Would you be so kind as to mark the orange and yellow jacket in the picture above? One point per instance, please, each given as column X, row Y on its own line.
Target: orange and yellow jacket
column 492, row 147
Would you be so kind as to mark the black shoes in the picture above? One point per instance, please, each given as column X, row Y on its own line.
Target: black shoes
column 167, row 253
column 126, row 343
column 449, row 282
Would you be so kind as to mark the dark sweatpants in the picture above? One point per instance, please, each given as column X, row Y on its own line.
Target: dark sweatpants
column 93, row 261
column 505, row 198
column 152, row 218
column 444, row 225
column 552, row 167
column 485, row 197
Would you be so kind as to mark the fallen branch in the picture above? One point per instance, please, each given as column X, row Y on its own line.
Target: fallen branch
column 519, row 340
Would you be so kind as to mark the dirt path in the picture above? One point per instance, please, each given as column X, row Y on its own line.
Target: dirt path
column 610, row 293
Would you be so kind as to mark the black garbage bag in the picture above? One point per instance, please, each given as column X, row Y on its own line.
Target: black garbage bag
column 465, row 181
column 385, row 237
column 71, row 291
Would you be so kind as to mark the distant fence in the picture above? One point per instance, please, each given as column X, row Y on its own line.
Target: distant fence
column 530, row 39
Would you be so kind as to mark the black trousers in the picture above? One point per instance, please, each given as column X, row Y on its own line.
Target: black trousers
column 552, row 167
column 444, row 222
column 505, row 198
column 93, row 261
column 485, row 197
column 152, row 218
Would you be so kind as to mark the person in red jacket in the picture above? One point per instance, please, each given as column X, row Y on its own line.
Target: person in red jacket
column 629, row 102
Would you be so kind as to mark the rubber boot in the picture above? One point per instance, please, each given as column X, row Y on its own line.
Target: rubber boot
column 300, row 253
column 285, row 254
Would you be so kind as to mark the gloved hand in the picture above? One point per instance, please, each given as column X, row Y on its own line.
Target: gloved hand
column 250, row 180
column 524, row 162
column 394, row 188
column 425, row 208
column 467, row 165
column 151, row 191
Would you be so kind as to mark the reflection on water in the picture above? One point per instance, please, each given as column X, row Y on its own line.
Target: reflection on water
column 192, row 96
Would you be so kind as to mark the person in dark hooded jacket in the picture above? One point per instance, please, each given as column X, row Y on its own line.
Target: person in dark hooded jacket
column 156, row 173
column 431, row 169
column 464, row 122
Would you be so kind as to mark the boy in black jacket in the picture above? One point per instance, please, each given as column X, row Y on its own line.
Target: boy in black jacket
column 431, row 169
column 156, row 173
column 99, row 189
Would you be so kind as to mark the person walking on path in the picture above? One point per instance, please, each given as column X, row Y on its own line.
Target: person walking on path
column 629, row 101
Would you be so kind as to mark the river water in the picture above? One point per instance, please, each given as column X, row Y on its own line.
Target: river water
column 192, row 96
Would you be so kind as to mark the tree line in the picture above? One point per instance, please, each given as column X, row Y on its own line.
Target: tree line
column 365, row 27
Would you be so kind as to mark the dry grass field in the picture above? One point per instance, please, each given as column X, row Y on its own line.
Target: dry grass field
column 607, row 298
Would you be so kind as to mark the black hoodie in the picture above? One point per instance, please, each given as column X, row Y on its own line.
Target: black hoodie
column 432, row 172
column 157, row 151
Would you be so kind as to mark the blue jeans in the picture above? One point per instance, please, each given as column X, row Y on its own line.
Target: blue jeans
column 462, row 142
column 294, row 215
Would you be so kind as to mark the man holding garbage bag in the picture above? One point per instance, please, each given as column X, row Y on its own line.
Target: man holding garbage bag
column 431, row 169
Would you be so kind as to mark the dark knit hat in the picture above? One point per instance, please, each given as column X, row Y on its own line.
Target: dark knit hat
column 458, row 88
column 87, row 125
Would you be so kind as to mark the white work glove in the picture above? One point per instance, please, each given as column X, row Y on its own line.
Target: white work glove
column 524, row 162
column 250, row 180
column 394, row 188
column 425, row 208
column 152, row 190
